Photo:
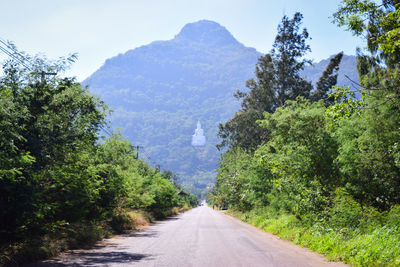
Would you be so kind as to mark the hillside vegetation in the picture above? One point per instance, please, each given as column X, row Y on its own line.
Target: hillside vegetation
column 61, row 185
column 321, row 170
column 159, row 91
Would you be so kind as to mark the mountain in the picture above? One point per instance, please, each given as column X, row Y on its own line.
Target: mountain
column 159, row 92
column 347, row 67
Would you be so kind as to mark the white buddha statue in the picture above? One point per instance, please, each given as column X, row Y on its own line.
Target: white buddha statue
column 198, row 139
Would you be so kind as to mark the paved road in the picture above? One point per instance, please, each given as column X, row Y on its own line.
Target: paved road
column 199, row 237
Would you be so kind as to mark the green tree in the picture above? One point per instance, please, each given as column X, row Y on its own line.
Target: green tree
column 55, row 127
column 15, row 187
column 379, row 69
column 233, row 180
column 379, row 23
column 57, row 179
column 300, row 155
column 368, row 136
column 327, row 81
column 277, row 80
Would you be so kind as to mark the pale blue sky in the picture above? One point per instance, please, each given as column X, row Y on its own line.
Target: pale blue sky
column 100, row 29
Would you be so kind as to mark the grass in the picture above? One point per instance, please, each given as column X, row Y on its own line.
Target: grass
column 378, row 245
column 76, row 236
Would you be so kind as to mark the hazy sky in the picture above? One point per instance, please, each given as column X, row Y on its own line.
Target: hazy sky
column 100, row 29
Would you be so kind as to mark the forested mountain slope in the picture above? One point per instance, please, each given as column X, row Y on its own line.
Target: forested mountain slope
column 159, row 91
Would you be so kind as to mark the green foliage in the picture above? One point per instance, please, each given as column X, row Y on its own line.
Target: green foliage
column 293, row 155
column 55, row 173
column 375, row 246
column 327, row 81
column 344, row 212
column 157, row 100
column 379, row 68
column 369, row 154
column 159, row 91
column 369, row 157
column 380, row 22
column 233, row 188
column 331, row 176
column 278, row 80
column 332, row 173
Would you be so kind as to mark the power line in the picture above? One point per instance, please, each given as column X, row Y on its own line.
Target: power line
column 156, row 164
column 106, row 131
column 12, row 52
column 8, row 53
column 15, row 51
column 144, row 153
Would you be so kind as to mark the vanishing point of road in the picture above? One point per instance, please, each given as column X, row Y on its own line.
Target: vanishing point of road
column 199, row 237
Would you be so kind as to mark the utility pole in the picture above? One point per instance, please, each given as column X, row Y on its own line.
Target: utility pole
column 137, row 152
column 10, row 51
column 43, row 75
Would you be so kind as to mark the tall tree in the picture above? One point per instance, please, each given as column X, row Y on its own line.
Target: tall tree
column 327, row 81
column 379, row 23
column 277, row 80
column 50, row 125
column 369, row 154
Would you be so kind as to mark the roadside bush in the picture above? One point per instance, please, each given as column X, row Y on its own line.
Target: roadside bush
column 345, row 211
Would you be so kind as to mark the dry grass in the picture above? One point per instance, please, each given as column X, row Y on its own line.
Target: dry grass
column 78, row 236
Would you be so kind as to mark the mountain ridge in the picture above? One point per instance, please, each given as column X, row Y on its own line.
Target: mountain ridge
column 160, row 90
column 206, row 31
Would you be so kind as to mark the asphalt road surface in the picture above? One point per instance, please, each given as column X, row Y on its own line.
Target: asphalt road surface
column 199, row 237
